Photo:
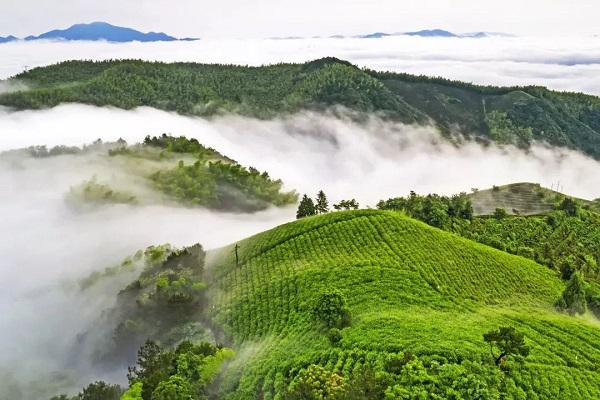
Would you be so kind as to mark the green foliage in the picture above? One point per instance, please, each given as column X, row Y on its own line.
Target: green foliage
column 575, row 294
column 96, row 193
column 134, row 392
column 514, row 115
column 467, row 380
column 508, row 341
column 170, row 289
column 316, row 383
column 563, row 243
column 100, row 391
column 503, row 131
column 500, row 213
column 185, row 372
column 222, row 186
column 346, row 205
column 306, row 208
column 331, row 309
column 569, row 206
column 321, row 204
column 410, row 289
column 439, row 211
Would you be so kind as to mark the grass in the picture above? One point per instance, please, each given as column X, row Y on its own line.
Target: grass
column 409, row 287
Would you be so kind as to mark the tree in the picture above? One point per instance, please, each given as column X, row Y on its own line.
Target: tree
column 152, row 368
column 331, row 308
column 316, row 383
column 569, row 206
column 100, row 391
column 500, row 213
column 508, row 341
column 574, row 294
column 322, row 205
column 306, row 208
column 134, row 392
column 346, row 205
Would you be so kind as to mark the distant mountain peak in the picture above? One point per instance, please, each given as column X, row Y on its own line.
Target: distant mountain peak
column 99, row 30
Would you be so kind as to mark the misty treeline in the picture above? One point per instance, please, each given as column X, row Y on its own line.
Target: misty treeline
column 163, row 313
column 180, row 168
column 508, row 115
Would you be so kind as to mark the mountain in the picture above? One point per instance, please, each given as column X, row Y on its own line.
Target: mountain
column 103, row 31
column 8, row 39
column 435, row 33
column 376, row 35
column 431, row 33
column 505, row 115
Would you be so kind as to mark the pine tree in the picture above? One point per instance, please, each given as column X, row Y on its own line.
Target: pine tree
column 306, row 208
column 322, row 206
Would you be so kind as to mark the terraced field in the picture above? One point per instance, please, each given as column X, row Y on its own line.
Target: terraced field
column 410, row 288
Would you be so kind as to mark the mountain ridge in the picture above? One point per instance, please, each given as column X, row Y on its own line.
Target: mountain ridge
column 96, row 31
column 518, row 116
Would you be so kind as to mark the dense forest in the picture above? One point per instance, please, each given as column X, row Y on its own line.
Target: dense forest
column 515, row 115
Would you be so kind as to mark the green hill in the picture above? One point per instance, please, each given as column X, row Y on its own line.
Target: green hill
column 516, row 198
column 514, row 115
column 410, row 288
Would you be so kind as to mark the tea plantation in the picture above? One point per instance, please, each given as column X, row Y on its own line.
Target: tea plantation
column 417, row 298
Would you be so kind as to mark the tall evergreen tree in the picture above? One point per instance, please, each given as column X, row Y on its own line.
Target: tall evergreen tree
column 306, row 208
column 322, row 205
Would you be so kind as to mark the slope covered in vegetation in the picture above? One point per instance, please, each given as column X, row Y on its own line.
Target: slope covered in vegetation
column 167, row 168
column 522, row 198
column 416, row 303
column 514, row 115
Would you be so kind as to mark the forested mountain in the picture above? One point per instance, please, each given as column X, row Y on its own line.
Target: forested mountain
column 516, row 115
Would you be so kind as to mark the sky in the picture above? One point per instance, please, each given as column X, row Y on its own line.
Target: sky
column 265, row 18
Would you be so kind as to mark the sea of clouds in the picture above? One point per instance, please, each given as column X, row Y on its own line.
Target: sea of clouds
column 46, row 247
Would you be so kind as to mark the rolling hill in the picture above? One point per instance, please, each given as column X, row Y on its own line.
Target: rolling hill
column 521, row 198
column 505, row 115
column 410, row 288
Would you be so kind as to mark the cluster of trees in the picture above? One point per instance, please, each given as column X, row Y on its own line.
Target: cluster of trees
column 506, row 114
column 433, row 209
column 170, row 289
column 320, row 205
column 91, row 191
column 183, row 373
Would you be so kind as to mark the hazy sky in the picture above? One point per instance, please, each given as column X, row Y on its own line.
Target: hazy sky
column 259, row 18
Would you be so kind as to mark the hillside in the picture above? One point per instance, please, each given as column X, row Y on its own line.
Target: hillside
column 162, row 169
column 410, row 288
column 522, row 198
column 516, row 115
